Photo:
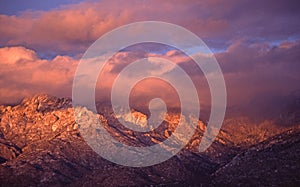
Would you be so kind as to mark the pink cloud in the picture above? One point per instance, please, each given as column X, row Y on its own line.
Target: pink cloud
column 73, row 28
column 23, row 74
column 13, row 55
column 244, row 32
column 249, row 71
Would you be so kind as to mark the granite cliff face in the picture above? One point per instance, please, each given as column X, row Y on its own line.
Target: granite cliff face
column 40, row 144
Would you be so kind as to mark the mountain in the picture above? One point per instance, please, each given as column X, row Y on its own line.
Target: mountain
column 41, row 145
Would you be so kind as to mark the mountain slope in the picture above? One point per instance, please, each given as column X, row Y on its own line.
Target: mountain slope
column 274, row 162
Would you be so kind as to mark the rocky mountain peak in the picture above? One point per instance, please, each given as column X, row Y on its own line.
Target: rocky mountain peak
column 45, row 103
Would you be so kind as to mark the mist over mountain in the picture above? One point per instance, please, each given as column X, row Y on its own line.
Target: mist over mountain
column 284, row 110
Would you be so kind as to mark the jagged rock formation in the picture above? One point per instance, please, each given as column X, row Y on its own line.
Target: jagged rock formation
column 40, row 145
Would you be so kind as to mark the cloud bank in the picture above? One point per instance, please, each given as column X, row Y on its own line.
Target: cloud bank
column 249, row 71
column 257, row 45
column 70, row 29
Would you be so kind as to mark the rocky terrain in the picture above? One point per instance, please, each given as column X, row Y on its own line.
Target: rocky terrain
column 40, row 145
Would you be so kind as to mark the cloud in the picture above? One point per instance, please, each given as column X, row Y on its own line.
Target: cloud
column 70, row 29
column 23, row 74
column 260, row 69
column 253, row 73
column 14, row 55
column 257, row 45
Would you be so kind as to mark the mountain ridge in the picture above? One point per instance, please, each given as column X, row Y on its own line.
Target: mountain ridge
column 41, row 145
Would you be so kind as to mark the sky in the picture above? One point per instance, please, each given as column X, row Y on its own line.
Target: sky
column 257, row 43
column 18, row 6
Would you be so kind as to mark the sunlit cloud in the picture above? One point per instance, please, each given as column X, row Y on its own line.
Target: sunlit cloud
column 70, row 29
column 258, row 50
